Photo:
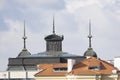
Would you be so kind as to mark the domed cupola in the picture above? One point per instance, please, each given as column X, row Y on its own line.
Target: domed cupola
column 24, row 52
column 54, row 37
column 54, row 41
column 90, row 52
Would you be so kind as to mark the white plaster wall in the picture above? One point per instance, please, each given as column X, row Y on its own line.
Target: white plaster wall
column 117, row 62
column 3, row 74
column 79, row 77
column 70, row 63
column 17, row 74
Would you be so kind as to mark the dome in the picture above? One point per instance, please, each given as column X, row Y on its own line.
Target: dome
column 90, row 53
column 24, row 53
column 54, row 37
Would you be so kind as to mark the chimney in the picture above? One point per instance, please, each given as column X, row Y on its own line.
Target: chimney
column 70, row 64
column 117, row 62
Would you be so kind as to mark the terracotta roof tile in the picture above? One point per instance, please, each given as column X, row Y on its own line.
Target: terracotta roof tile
column 82, row 67
column 47, row 70
column 78, row 69
column 60, row 65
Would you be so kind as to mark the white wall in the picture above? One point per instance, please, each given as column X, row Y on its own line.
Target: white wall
column 17, row 74
column 117, row 62
column 3, row 75
column 70, row 64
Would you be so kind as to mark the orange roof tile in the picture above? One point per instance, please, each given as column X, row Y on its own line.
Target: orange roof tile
column 82, row 67
column 60, row 65
column 78, row 69
column 48, row 70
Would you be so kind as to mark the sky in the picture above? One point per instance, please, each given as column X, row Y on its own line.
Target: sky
column 71, row 20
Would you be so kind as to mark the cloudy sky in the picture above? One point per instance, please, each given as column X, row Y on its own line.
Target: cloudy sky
column 71, row 20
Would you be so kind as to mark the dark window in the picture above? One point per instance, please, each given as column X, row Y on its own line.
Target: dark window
column 60, row 69
column 94, row 68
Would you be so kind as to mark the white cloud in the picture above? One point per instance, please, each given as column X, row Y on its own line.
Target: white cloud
column 14, row 25
column 10, row 41
column 41, row 4
column 73, row 5
column 38, row 2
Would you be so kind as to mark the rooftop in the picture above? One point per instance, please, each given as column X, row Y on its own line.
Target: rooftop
column 85, row 67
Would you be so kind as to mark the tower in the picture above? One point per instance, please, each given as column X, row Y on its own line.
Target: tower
column 90, row 52
column 54, row 41
column 53, row 54
column 24, row 51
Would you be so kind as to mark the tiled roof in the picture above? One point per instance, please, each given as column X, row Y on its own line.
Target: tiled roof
column 81, row 68
column 47, row 69
column 60, row 65
column 93, row 62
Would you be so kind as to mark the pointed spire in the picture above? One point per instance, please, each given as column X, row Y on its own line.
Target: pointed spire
column 90, row 52
column 24, row 36
column 24, row 51
column 90, row 36
column 53, row 25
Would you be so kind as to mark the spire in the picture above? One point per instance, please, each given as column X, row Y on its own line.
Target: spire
column 24, row 51
column 90, row 52
column 53, row 25
column 90, row 36
column 24, row 37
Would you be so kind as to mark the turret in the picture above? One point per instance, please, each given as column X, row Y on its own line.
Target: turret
column 90, row 52
column 24, row 51
column 54, row 41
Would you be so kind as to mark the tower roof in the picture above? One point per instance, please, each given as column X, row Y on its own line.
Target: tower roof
column 54, row 36
column 24, row 52
column 90, row 52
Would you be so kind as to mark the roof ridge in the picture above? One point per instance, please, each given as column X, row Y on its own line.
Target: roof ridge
column 107, row 63
column 40, row 72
